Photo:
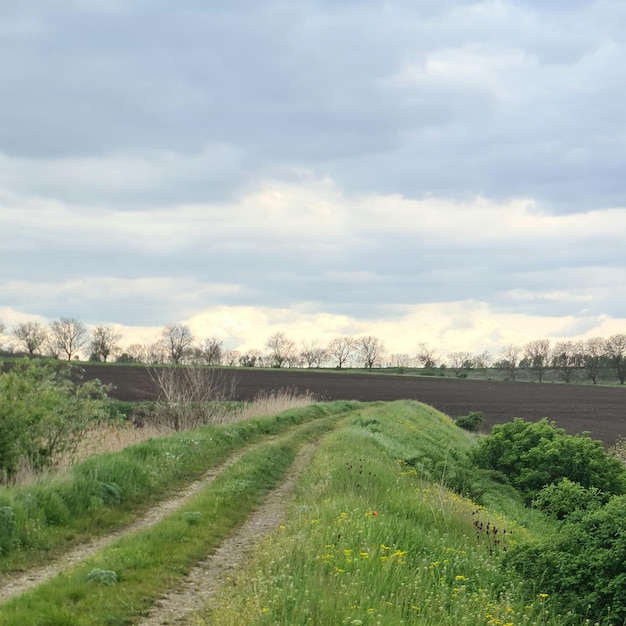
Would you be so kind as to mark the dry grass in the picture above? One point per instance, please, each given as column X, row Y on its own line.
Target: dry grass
column 113, row 437
column 274, row 402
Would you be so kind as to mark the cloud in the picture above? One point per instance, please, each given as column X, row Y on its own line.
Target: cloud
column 346, row 161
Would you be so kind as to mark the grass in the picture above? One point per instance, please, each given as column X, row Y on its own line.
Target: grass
column 121, row 582
column 375, row 537
column 109, row 490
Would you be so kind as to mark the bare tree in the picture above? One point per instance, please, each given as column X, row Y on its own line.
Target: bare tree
column 593, row 357
column 567, row 357
column 156, row 352
column 312, row 354
column 371, row 350
column 482, row 361
column 211, row 351
column 104, row 343
column 458, row 361
column 252, row 358
column 177, row 339
column 32, row 336
column 400, row 361
column 67, row 336
column 426, row 356
column 231, row 357
column 616, row 352
column 341, row 349
column 282, row 349
column 191, row 396
column 510, row 359
column 537, row 357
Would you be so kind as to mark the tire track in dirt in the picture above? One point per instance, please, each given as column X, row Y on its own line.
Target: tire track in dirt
column 13, row 585
column 179, row 605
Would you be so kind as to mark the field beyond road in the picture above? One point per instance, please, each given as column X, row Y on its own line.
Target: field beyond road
column 600, row 410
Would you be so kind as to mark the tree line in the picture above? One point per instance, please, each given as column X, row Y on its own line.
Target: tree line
column 176, row 344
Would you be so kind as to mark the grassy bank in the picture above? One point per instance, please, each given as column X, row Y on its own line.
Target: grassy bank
column 110, row 490
column 374, row 536
column 120, row 583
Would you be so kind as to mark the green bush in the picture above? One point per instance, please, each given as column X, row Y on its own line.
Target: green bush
column 534, row 454
column 584, row 567
column 471, row 421
column 558, row 500
column 43, row 413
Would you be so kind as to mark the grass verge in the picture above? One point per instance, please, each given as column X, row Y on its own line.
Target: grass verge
column 109, row 490
column 375, row 537
column 120, row 583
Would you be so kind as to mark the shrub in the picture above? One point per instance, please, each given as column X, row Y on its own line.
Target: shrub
column 558, row 500
column 43, row 413
column 471, row 421
column 584, row 566
column 535, row 454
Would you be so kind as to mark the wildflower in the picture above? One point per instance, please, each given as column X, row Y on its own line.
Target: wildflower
column 265, row 610
column 384, row 547
column 459, row 577
column 542, row 595
column 347, row 552
column 315, row 521
column 364, row 555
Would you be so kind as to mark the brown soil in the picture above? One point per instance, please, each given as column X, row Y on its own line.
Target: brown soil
column 600, row 410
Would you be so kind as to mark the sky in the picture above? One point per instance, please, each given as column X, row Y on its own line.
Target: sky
column 439, row 171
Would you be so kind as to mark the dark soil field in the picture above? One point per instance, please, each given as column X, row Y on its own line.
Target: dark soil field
column 600, row 410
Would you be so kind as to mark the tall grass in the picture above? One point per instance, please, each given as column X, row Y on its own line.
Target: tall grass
column 114, row 436
column 375, row 537
column 110, row 489
column 120, row 583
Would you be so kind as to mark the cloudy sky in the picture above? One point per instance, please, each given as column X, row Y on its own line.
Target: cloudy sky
column 446, row 171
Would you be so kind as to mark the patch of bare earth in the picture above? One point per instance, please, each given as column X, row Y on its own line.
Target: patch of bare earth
column 14, row 584
column 180, row 604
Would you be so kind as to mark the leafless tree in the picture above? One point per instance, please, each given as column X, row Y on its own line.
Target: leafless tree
column 593, row 357
column 177, row 339
column 210, row 351
column 31, row 336
column 252, row 358
column 537, row 357
column 482, row 361
column 400, row 361
column 341, row 349
column 231, row 357
column 191, row 396
column 156, row 353
column 104, row 343
column 616, row 352
column 136, row 353
column 509, row 360
column 458, row 361
column 567, row 357
column 371, row 350
column 67, row 336
column 426, row 356
column 312, row 354
column 282, row 349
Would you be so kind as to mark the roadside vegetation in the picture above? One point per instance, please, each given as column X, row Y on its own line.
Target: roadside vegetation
column 402, row 517
column 380, row 533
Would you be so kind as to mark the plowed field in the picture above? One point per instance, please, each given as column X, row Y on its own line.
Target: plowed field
column 599, row 410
